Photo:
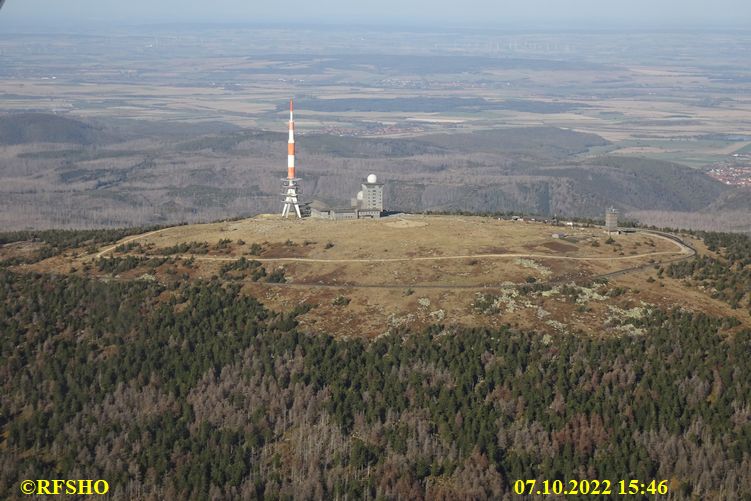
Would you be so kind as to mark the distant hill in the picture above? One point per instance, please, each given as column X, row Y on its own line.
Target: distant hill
column 636, row 183
column 125, row 172
column 29, row 128
column 23, row 128
column 538, row 141
column 581, row 188
column 350, row 147
column 738, row 199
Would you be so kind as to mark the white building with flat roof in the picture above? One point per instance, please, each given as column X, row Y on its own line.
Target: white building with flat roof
column 372, row 194
column 368, row 204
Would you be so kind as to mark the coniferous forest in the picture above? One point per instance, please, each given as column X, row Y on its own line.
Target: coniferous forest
column 194, row 390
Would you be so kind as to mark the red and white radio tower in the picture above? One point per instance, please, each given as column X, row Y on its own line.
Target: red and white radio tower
column 291, row 183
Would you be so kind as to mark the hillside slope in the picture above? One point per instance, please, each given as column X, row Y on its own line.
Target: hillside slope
column 173, row 366
column 122, row 173
column 24, row 128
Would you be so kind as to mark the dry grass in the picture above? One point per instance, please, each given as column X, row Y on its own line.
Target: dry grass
column 416, row 270
column 408, row 237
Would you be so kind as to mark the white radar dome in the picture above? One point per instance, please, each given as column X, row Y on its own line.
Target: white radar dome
column 372, row 179
column 359, row 195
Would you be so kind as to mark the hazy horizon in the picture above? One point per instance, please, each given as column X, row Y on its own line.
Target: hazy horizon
column 534, row 14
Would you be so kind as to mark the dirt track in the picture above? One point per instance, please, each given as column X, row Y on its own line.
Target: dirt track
column 397, row 259
column 685, row 251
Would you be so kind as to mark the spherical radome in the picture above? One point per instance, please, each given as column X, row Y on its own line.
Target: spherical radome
column 359, row 195
column 372, row 179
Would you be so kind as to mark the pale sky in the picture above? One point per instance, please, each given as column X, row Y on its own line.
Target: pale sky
column 481, row 13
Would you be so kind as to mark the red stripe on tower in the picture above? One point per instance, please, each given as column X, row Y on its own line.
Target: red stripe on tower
column 291, row 143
